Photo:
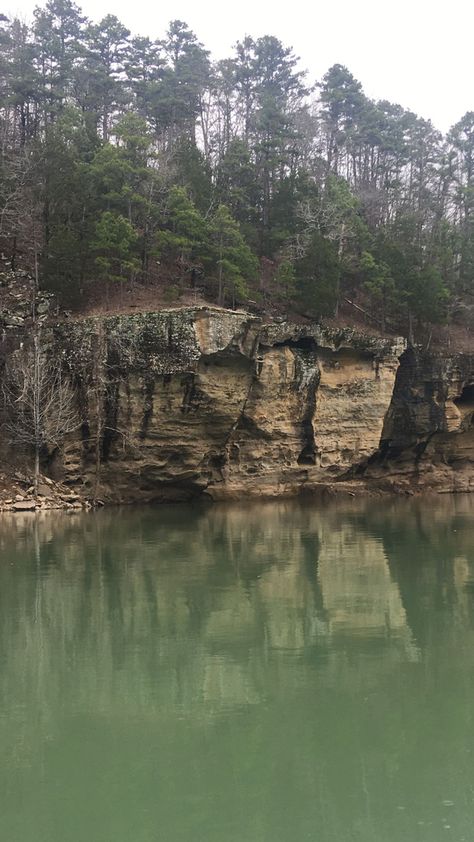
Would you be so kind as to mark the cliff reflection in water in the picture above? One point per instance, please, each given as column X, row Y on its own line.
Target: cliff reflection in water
column 186, row 606
column 303, row 617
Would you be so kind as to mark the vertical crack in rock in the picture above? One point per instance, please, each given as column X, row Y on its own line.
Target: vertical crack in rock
column 308, row 376
column 229, row 375
column 237, row 423
column 148, row 405
column 190, row 395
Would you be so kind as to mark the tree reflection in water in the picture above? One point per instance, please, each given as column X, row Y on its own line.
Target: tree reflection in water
column 306, row 634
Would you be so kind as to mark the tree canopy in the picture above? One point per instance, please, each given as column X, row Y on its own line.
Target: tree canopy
column 138, row 159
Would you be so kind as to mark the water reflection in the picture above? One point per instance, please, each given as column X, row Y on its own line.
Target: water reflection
column 321, row 650
column 114, row 600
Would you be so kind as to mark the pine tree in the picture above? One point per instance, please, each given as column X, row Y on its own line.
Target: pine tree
column 236, row 265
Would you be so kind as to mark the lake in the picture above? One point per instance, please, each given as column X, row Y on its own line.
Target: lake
column 264, row 672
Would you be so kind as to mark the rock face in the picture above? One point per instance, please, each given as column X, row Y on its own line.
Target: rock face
column 185, row 402
column 428, row 435
column 204, row 401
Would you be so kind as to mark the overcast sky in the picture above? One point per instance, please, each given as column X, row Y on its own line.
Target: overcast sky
column 418, row 53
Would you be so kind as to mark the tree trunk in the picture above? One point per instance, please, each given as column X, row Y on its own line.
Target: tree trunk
column 411, row 338
column 219, row 294
column 340, row 251
column 37, row 468
column 13, row 254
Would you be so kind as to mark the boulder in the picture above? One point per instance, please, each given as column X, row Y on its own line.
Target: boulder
column 24, row 506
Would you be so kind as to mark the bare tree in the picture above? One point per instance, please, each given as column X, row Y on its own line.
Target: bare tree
column 39, row 402
column 20, row 209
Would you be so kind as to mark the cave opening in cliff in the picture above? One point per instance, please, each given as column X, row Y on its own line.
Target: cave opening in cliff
column 304, row 343
column 466, row 396
column 465, row 403
column 307, row 455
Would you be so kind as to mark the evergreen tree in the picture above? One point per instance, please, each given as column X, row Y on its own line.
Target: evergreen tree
column 135, row 158
column 107, row 47
column 185, row 236
column 234, row 259
column 114, row 245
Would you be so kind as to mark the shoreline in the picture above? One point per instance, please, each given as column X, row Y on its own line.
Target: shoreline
column 69, row 501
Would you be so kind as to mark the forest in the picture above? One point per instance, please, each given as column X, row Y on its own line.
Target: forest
column 132, row 162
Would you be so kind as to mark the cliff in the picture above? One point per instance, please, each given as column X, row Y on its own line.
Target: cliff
column 428, row 435
column 204, row 401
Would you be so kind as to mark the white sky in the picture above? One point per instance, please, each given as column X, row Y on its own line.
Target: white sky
column 415, row 52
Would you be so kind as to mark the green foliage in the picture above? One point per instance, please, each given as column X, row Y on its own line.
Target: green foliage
column 113, row 244
column 193, row 173
column 236, row 265
column 134, row 157
column 285, row 280
column 318, row 276
column 186, row 236
column 378, row 283
column 426, row 294
column 420, row 289
column 237, row 186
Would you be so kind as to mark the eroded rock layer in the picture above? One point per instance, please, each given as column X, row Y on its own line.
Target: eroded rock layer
column 196, row 401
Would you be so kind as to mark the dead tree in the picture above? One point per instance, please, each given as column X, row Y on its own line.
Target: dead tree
column 39, row 402
column 20, row 209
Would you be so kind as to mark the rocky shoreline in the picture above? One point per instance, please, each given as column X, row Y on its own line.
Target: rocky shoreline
column 54, row 496
column 17, row 494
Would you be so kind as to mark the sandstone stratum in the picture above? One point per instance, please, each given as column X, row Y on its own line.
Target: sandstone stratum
column 206, row 402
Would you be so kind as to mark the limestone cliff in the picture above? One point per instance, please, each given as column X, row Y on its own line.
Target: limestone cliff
column 428, row 435
column 196, row 401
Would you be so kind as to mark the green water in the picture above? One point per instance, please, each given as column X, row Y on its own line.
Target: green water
column 260, row 673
